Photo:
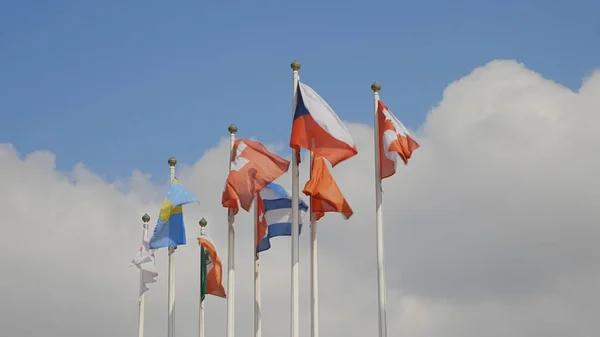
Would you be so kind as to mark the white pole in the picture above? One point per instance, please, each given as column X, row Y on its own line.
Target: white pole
column 381, row 289
column 231, row 251
column 314, row 270
column 171, row 297
column 202, row 224
column 142, row 301
column 295, row 310
column 257, row 304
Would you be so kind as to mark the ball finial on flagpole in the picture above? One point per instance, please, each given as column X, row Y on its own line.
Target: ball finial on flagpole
column 203, row 223
column 146, row 218
column 232, row 129
column 172, row 161
column 375, row 87
column 295, row 65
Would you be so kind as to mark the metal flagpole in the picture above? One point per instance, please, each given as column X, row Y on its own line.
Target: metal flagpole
column 171, row 297
column 314, row 269
column 257, row 304
column 295, row 312
column 381, row 289
column 142, row 301
column 231, row 251
column 202, row 224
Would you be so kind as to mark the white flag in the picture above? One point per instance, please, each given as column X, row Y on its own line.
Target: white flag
column 144, row 260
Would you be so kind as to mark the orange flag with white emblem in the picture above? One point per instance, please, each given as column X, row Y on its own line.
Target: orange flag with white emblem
column 252, row 168
column 325, row 193
column 394, row 141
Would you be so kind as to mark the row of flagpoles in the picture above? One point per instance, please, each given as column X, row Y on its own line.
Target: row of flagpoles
column 277, row 212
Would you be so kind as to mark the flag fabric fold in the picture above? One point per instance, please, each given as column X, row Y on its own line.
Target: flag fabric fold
column 252, row 168
column 211, row 269
column 170, row 229
column 325, row 193
column 144, row 261
column 317, row 128
column 274, row 216
column 394, row 141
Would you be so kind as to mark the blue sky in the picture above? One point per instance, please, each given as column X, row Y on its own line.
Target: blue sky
column 120, row 85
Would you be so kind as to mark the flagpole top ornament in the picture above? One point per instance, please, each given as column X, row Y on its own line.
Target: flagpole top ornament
column 232, row 129
column 375, row 87
column 172, row 161
column 295, row 65
column 203, row 223
column 146, row 217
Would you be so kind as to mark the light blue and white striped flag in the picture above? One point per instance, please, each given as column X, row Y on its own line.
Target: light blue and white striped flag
column 278, row 213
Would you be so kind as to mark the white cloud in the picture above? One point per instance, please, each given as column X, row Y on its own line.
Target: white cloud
column 490, row 230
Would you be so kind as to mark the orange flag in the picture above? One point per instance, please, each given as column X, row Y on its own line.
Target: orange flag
column 211, row 276
column 252, row 168
column 325, row 193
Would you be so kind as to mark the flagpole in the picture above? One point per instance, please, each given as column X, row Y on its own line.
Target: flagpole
column 171, row 296
column 257, row 297
column 381, row 287
column 231, row 250
column 142, row 301
column 202, row 224
column 314, row 269
column 295, row 311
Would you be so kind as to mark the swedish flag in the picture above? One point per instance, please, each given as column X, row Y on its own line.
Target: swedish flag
column 170, row 230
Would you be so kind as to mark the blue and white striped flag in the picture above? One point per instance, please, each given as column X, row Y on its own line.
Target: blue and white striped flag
column 277, row 213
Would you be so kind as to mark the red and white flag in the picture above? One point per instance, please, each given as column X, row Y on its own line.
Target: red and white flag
column 252, row 168
column 144, row 260
column 394, row 141
column 261, row 221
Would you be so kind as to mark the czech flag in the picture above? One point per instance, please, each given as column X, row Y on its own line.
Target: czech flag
column 317, row 128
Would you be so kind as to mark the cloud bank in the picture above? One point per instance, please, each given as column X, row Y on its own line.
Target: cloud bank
column 490, row 230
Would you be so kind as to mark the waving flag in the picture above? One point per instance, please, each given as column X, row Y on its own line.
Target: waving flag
column 317, row 128
column 252, row 168
column 170, row 230
column 275, row 214
column 144, row 260
column 211, row 269
column 394, row 141
column 325, row 193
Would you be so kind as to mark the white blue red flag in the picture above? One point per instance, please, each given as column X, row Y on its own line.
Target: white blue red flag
column 317, row 128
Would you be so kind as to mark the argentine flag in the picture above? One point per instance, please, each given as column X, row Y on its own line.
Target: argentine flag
column 278, row 213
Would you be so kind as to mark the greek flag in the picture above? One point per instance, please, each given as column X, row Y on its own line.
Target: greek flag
column 277, row 213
